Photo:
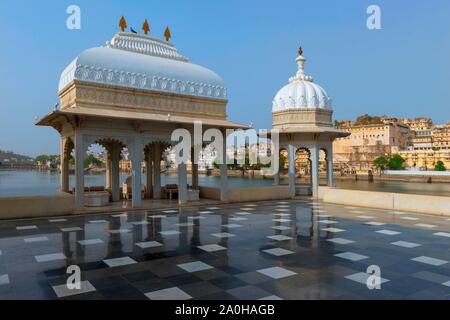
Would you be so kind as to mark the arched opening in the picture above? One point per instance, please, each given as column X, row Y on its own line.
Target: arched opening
column 156, row 163
column 116, row 163
column 303, row 164
column 303, row 171
column 97, row 171
column 181, row 180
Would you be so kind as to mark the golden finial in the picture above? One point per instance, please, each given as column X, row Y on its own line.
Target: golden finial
column 122, row 23
column 146, row 27
column 300, row 51
column 167, row 34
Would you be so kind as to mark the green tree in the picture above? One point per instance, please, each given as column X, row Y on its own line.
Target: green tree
column 41, row 158
column 337, row 124
column 44, row 159
column 393, row 162
column 381, row 163
column 89, row 160
column 92, row 160
column 439, row 166
column 396, row 162
column 366, row 119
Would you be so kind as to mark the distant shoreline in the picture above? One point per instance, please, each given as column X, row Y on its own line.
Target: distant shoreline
column 255, row 174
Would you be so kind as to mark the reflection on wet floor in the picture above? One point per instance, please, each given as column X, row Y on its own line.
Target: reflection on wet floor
column 289, row 249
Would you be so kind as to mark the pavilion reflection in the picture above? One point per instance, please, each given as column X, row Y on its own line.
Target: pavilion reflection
column 195, row 239
column 72, row 249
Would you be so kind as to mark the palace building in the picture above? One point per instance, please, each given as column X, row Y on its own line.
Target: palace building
column 418, row 141
column 366, row 142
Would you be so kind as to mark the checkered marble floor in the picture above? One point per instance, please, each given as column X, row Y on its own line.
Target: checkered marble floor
column 292, row 249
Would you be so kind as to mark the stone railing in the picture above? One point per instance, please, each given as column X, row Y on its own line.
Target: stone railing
column 436, row 205
column 37, row 206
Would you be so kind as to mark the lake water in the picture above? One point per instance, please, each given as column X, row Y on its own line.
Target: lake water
column 17, row 183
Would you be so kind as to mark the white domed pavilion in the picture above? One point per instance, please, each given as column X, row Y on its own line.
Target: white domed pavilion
column 302, row 112
column 134, row 92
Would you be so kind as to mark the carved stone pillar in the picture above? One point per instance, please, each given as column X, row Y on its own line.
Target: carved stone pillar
column 194, row 170
column 79, row 171
column 330, row 165
column 182, row 183
column 156, row 171
column 315, row 170
column 223, row 171
column 291, row 160
column 149, row 172
column 136, row 159
column 64, row 159
column 115, row 171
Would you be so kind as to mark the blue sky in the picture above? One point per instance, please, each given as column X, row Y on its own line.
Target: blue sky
column 401, row 70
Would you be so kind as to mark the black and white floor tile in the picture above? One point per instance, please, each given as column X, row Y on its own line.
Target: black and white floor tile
column 292, row 249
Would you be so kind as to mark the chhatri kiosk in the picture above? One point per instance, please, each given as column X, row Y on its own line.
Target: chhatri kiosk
column 133, row 93
column 302, row 113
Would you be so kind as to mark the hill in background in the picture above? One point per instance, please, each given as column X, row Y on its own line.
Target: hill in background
column 9, row 157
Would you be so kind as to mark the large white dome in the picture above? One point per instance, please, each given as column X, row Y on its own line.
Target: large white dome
column 301, row 92
column 142, row 62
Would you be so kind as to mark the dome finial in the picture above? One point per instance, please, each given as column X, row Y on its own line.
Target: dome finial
column 300, row 63
column 146, row 27
column 122, row 23
column 167, row 34
column 300, row 75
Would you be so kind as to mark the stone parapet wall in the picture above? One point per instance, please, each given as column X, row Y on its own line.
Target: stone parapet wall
column 258, row 193
column 247, row 194
column 36, row 206
column 386, row 200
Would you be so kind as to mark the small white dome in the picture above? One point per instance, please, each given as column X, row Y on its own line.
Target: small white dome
column 301, row 92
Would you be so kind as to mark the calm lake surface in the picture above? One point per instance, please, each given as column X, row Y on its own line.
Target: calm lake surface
column 21, row 183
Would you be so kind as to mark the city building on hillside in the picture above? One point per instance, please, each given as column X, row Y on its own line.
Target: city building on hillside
column 422, row 140
column 422, row 128
column 429, row 146
column 425, row 159
column 367, row 142
column 418, row 141
column 418, row 124
column 441, row 136
column 125, row 165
